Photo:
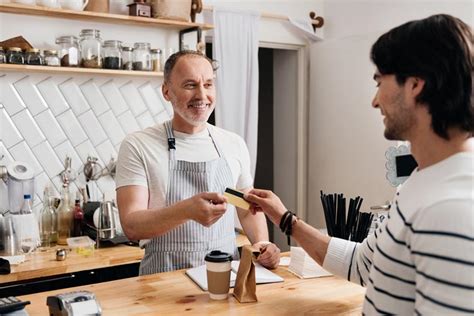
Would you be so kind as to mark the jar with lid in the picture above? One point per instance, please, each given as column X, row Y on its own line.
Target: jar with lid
column 127, row 58
column 68, row 51
column 33, row 57
column 112, row 54
column 156, row 59
column 90, row 45
column 15, row 56
column 51, row 58
column 3, row 56
column 142, row 57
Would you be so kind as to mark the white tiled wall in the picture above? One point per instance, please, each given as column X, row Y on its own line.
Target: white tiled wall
column 44, row 118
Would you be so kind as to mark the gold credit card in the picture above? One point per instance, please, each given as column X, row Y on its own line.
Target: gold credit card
column 236, row 198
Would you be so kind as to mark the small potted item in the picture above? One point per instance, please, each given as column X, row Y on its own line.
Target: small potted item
column 140, row 8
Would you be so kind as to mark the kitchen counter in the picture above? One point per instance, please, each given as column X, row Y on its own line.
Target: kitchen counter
column 174, row 293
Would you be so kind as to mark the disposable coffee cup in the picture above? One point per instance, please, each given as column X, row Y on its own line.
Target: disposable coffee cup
column 218, row 266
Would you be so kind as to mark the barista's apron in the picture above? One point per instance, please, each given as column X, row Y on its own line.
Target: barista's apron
column 186, row 245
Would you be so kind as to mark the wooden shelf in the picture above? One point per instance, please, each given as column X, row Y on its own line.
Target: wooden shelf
column 98, row 17
column 66, row 70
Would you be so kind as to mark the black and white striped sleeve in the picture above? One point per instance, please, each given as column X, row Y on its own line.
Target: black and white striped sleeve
column 442, row 245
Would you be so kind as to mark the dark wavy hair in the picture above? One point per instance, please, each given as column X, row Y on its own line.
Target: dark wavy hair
column 438, row 49
column 173, row 59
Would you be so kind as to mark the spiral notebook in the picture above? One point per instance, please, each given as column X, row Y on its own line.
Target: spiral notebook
column 262, row 275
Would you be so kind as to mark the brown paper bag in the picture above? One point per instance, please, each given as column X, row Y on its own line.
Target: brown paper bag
column 245, row 284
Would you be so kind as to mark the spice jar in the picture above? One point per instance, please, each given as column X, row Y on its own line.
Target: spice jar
column 90, row 45
column 15, row 56
column 127, row 58
column 33, row 57
column 142, row 57
column 68, row 51
column 51, row 58
column 112, row 54
column 156, row 59
column 3, row 56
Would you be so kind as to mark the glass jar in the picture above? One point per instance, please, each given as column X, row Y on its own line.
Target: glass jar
column 142, row 57
column 15, row 56
column 51, row 58
column 112, row 54
column 127, row 58
column 33, row 57
column 156, row 59
column 68, row 51
column 90, row 45
column 3, row 56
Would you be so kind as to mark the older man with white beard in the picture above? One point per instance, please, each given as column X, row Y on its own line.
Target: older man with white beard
column 170, row 178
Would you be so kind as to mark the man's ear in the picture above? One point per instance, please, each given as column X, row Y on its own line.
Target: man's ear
column 415, row 85
column 165, row 91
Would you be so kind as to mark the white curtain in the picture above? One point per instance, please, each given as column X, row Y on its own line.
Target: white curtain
column 235, row 47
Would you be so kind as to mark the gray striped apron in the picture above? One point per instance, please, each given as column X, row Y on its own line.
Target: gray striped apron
column 186, row 245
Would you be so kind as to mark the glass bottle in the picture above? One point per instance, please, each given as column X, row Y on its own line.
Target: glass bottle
column 51, row 58
column 15, row 56
column 26, row 206
column 90, row 45
column 65, row 216
column 127, row 58
column 3, row 56
column 112, row 54
column 142, row 57
column 33, row 57
column 156, row 59
column 78, row 218
column 48, row 221
column 68, row 51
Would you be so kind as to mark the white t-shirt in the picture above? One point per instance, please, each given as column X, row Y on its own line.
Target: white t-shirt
column 143, row 158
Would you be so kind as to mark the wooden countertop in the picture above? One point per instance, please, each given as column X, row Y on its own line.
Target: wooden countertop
column 43, row 263
column 174, row 293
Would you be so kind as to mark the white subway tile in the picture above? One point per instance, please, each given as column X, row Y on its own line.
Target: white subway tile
column 128, row 122
column 94, row 97
column 92, row 127
column 28, row 128
column 145, row 120
column 162, row 117
column 58, row 184
column 64, row 150
column 151, row 99
column 30, row 95
column 112, row 127
column 5, row 156
column 53, row 97
column 21, row 152
column 9, row 133
column 72, row 128
column 85, row 150
column 48, row 159
column 113, row 97
column 10, row 99
column 166, row 104
column 133, row 98
column 50, row 127
column 106, row 151
column 74, row 97
column 107, row 186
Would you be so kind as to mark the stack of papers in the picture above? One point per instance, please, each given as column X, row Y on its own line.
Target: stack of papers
column 304, row 266
column 262, row 275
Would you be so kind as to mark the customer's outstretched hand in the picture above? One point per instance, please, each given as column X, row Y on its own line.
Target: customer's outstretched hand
column 267, row 202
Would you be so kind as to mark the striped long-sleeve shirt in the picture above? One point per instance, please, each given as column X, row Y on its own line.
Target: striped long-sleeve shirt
column 421, row 259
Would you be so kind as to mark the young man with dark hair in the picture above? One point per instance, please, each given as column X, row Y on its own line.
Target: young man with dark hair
column 170, row 178
column 421, row 259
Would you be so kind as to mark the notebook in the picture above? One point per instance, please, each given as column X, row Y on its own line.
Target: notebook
column 262, row 275
column 304, row 266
